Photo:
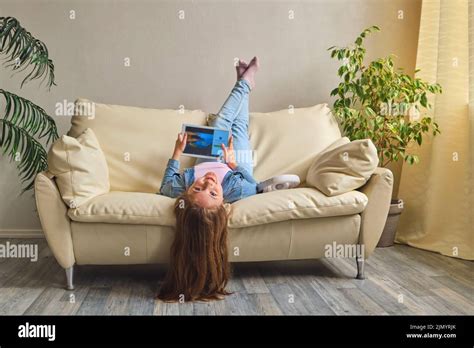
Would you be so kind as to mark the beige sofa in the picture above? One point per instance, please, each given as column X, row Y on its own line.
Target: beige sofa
column 133, row 225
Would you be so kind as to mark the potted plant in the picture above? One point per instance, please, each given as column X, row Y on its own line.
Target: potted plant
column 23, row 124
column 376, row 101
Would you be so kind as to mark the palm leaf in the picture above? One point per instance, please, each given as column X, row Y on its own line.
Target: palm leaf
column 22, row 50
column 32, row 157
column 29, row 116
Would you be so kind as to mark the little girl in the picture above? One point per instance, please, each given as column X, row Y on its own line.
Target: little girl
column 199, row 269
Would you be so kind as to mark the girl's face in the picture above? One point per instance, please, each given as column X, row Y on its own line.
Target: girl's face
column 206, row 191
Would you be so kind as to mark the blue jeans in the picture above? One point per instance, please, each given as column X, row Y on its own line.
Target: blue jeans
column 234, row 116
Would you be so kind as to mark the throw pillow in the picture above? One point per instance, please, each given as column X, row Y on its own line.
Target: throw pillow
column 343, row 166
column 80, row 168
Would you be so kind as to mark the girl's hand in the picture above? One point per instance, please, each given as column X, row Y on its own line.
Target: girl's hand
column 229, row 154
column 179, row 145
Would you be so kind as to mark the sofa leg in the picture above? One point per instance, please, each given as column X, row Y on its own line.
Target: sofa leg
column 69, row 278
column 360, row 267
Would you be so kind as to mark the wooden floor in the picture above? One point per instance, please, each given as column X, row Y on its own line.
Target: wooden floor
column 401, row 280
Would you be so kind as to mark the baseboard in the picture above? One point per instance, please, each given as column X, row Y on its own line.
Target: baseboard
column 17, row 233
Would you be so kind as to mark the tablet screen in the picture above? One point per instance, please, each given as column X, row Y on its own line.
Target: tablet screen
column 205, row 141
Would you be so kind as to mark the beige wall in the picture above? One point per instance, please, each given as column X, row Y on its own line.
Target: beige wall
column 190, row 61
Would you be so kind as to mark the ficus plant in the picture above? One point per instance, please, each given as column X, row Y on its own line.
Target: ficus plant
column 22, row 123
column 379, row 102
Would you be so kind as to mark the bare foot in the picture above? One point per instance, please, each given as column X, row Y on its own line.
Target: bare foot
column 240, row 68
column 249, row 73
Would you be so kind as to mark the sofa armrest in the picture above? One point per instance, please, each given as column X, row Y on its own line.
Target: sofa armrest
column 378, row 190
column 54, row 220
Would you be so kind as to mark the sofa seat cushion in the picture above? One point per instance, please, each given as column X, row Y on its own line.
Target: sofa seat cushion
column 126, row 208
column 294, row 204
column 153, row 209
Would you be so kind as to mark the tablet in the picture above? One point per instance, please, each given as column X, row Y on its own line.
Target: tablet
column 205, row 142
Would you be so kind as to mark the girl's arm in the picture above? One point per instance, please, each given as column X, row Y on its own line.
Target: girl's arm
column 173, row 182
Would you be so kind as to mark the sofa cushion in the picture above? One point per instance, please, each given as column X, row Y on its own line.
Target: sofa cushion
column 127, row 208
column 293, row 204
column 80, row 168
column 152, row 209
column 343, row 168
column 286, row 141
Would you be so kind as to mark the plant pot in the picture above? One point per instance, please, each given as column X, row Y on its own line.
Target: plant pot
column 387, row 238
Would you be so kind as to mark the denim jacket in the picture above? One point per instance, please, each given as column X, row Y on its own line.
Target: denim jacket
column 237, row 184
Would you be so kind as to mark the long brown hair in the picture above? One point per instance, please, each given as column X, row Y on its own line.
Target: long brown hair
column 199, row 267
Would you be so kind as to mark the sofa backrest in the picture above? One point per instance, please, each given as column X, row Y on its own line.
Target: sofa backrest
column 137, row 142
column 286, row 141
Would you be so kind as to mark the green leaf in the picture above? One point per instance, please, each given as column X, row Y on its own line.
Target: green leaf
column 29, row 116
column 341, row 70
column 419, row 138
column 22, row 121
column 424, row 100
column 22, row 51
column 370, row 112
column 33, row 158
